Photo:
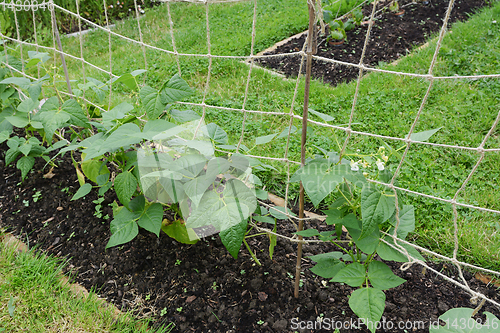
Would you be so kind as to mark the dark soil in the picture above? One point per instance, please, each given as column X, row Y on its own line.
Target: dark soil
column 391, row 38
column 200, row 287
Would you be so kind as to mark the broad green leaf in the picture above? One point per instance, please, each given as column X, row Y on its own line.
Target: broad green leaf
column 319, row 180
column 232, row 238
column 152, row 102
column 279, row 212
column 4, row 135
column 406, row 221
column 459, row 320
column 368, row 304
column 126, row 135
column 177, row 231
column 265, row 219
column 367, row 244
column 25, row 164
column 184, row 116
column 224, row 210
column 196, row 188
column 285, row 133
column 125, row 185
column 216, row 133
column 82, row 191
column 18, row 120
column 137, row 205
column 382, row 277
column 175, row 90
column 138, row 72
column 155, row 127
column 376, row 208
column 353, row 274
column 27, row 106
column 386, row 252
column 328, row 264
column 424, row 136
column 151, row 218
column 323, row 116
column 25, row 149
column 204, row 147
column 76, row 113
column 189, row 165
column 102, row 179
column 307, row 233
column 94, row 168
column 261, row 194
column 264, row 139
column 123, row 228
column 52, row 120
column 18, row 81
column 216, row 166
column 118, row 112
column 128, row 80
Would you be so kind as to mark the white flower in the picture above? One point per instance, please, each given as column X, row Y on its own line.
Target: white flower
column 385, row 158
column 365, row 164
column 380, row 165
column 354, row 166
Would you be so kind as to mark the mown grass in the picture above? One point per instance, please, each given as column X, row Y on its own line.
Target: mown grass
column 387, row 105
column 33, row 298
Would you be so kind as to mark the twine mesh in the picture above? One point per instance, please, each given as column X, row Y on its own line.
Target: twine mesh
column 393, row 241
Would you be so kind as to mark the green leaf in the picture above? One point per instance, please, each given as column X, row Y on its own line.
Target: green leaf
column 224, row 210
column 353, row 274
column 125, row 186
column 307, row 233
column 320, row 179
column 284, row 133
column 18, row 120
column 76, row 113
column 151, row 218
column 27, row 106
column 94, row 168
column 386, row 252
column 376, row 208
column 18, row 81
column 265, row 219
column 328, row 264
column 424, row 136
column 25, row 148
column 323, row 116
column 25, row 164
column 216, row 133
column 123, row 228
column 52, row 120
column 11, row 306
column 406, row 221
column 155, row 127
column 184, row 116
column 367, row 244
column 381, row 276
column 264, row 139
column 178, row 231
column 128, row 80
column 459, row 320
column 152, row 102
column 82, row 191
column 4, row 135
column 279, row 212
column 232, row 238
column 261, row 194
column 368, row 304
column 175, row 90
column 196, row 188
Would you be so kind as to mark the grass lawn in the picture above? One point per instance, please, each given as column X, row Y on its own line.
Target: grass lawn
column 34, row 299
column 387, row 104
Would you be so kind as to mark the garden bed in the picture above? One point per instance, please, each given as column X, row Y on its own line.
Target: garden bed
column 200, row 287
column 391, row 38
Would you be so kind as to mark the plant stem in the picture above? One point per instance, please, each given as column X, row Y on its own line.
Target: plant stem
column 251, row 253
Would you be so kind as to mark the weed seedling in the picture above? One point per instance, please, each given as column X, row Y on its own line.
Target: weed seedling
column 179, row 309
column 163, row 312
column 37, row 196
column 178, row 262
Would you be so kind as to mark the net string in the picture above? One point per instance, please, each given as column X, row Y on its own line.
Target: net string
column 463, row 284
